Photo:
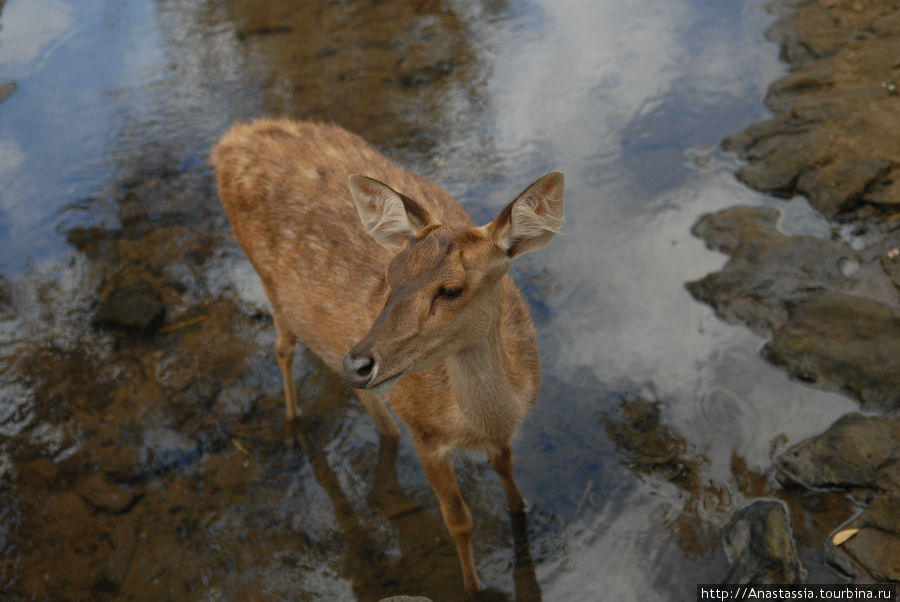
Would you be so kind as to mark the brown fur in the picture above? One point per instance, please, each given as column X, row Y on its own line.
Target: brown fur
column 470, row 365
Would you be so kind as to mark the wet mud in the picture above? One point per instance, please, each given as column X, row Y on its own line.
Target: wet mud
column 828, row 305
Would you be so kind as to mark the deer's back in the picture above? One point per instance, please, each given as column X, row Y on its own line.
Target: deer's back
column 284, row 185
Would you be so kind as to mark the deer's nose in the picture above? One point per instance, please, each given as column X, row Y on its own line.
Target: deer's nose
column 358, row 370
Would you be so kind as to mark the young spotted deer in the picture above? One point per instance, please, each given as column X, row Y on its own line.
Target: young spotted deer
column 407, row 299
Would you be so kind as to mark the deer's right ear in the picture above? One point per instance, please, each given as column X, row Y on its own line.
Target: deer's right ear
column 388, row 216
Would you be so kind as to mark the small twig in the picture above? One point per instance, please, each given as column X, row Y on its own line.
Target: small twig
column 182, row 324
column 251, row 427
column 240, row 447
column 584, row 497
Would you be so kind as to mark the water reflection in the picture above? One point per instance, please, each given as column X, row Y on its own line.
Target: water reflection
column 399, row 73
column 154, row 433
column 31, row 34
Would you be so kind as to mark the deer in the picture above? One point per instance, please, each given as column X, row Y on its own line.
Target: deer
column 382, row 274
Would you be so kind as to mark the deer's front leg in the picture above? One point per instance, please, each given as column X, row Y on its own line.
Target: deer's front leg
column 439, row 470
column 285, row 344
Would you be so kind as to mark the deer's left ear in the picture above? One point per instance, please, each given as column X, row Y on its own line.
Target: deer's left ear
column 388, row 216
column 533, row 219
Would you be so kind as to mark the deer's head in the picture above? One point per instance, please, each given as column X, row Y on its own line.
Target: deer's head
column 443, row 291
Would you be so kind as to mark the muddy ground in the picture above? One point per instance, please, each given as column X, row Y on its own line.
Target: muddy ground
column 830, row 307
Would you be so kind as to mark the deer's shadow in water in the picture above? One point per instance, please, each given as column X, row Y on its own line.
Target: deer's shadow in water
column 428, row 563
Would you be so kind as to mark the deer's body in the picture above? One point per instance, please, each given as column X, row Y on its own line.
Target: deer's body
column 415, row 291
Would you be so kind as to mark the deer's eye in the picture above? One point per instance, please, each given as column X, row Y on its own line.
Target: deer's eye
column 449, row 293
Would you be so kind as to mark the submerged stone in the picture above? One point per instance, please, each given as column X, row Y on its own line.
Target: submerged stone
column 890, row 261
column 873, row 554
column 7, row 89
column 104, row 495
column 759, row 544
column 133, row 306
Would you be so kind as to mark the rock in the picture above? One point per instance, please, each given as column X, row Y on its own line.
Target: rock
column 805, row 35
column 7, row 89
column 119, row 462
column 832, row 312
column 6, row 295
column 762, row 132
column 873, row 554
column 781, row 160
column 92, row 240
column 766, row 267
column 103, row 495
column 841, row 186
column 859, row 453
column 263, row 31
column 782, row 94
column 760, row 546
column 885, row 192
column 133, row 306
column 890, row 261
column 832, row 136
column 818, row 30
column 427, row 75
column 888, row 24
column 842, row 342
column 43, row 471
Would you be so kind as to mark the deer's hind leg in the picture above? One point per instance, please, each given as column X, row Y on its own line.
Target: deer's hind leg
column 502, row 462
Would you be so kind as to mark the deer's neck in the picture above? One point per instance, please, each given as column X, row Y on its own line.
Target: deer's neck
column 487, row 381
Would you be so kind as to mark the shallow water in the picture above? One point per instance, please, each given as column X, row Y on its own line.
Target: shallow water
column 157, row 460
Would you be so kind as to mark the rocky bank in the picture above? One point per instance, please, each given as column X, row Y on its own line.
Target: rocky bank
column 829, row 307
